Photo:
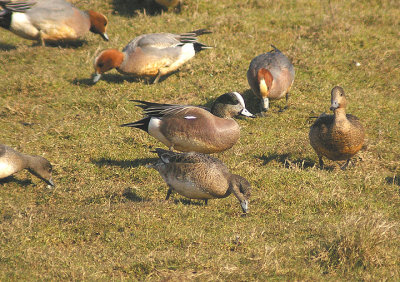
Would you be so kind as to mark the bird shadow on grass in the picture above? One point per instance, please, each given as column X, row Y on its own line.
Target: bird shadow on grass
column 103, row 162
column 10, row 179
column 132, row 196
column 189, row 202
column 118, row 79
column 131, row 8
column 73, row 44
column 393, row 180
column 289, row 162
column 7, row 47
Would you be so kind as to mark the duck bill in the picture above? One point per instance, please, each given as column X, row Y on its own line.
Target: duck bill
column 246, row 113
column 245, row 206
column 334, row 105
column 104, row 36
column 96, row 77
column 50, row 183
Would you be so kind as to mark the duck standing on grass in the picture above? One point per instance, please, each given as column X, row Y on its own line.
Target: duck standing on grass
column 52, row 21
column 150, row 55
column 339, row 136
column 194, row 129
column 12, row 161
column 270, row 76
column 199, row 176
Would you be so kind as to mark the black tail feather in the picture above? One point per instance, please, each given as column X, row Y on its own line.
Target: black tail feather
column 142, row 124
column 200, row 47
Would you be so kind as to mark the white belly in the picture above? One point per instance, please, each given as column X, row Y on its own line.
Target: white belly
column 6, row 169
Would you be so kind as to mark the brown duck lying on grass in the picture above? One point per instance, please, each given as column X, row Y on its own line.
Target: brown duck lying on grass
column 339, row 136
column 200, row 176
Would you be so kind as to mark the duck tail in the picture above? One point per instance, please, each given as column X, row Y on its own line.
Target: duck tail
column 200, row 47
column 17, row 6
column 276, row 49
column 201, row 31
column 142, row 124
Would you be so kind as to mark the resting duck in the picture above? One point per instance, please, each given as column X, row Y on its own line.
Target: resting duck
column 339, row 136
column 199, row 176
column 50, row 20
column 12, row 161
column 150, row 55
column 194, row 129
column 270, row 76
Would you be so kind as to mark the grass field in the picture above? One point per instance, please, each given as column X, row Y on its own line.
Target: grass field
column 107, row 218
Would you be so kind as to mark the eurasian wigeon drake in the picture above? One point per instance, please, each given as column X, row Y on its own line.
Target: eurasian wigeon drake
column 194, row 129
column 199, row 176
column 150, row 55
column 12, row 161
column 270, row 76
column 339, row 136
column 50, row 20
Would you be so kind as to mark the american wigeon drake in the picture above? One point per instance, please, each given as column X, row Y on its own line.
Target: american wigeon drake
column 150, row 55
column 339, row 136
column 12, row 161
column 50, row 20
column 199, row 176
column 270, row 76
column 194, row 129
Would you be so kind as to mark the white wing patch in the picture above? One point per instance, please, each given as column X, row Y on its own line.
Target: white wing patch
column 190, row 117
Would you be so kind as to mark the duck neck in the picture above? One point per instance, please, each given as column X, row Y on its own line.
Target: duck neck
column 340, row 115
column 221, row 111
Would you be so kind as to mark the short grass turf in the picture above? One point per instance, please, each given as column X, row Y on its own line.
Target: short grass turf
column 107, row 218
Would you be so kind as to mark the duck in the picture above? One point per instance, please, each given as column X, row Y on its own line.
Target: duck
column 192, row 128
column 53, row 21
column 150, row 55
column 270, row 76
column 337, row 137
column 12, row 162
column 199, row 176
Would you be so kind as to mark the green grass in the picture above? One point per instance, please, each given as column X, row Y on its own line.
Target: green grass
column 107, row 219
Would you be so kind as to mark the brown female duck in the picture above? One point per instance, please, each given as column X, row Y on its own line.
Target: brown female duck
column 199, row 176
column 339, row 136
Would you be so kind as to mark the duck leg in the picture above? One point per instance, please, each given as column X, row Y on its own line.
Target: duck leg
column 206, row 202
column 168, row 193
column 321, row 162
column 41, row 39
column 157, row 77
column 346, row 165
column 287, row 104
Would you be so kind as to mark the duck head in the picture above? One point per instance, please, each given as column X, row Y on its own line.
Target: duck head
column 107, row 59
column 229, row 105
column 241, row 188
column 338, row 98
column 98, row 24
column 41, row 168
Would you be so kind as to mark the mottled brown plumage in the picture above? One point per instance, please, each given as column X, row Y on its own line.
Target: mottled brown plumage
column 339, row 136
column 199, row 176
